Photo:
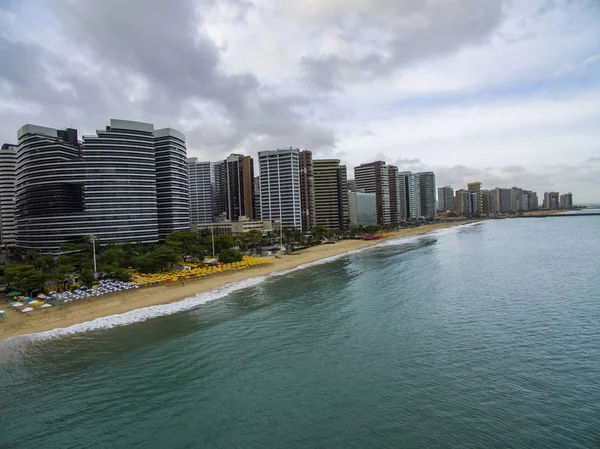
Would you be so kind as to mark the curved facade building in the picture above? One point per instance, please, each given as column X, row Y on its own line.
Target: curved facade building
column 8, row 161
column 172, row 182
column 104, row 185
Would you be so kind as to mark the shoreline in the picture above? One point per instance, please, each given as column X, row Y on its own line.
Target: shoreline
column 77, row 313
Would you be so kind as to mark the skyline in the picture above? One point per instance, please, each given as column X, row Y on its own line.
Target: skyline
column 512, row 101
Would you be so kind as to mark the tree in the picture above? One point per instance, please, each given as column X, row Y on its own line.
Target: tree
column 87, row 277
column 187, row 243
column 224, row 241
column 79, row 254
column 319, row 232
column 230, row 256
column 111, row 256
column 160, row 259
column 25, row 278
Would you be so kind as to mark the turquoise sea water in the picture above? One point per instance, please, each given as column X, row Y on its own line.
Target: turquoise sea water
column 484, row 336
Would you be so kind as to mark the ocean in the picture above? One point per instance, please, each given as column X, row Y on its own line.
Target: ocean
column 479, row 336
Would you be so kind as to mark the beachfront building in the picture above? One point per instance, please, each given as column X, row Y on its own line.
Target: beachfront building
column 8, row 162
column 330, row 194
column 462, row 205
column 398, row 195
column 476, row 208
column 105, row 185
column 172, row 182
column 239, row 187
column 201, row 197
column 427, row 194
column 445, row 199
column 413, row 194
column 566, row 201
column 219, row 190
column 362, row 209
column 307, row 193
column 242, row 225
column 373, row 177
column 280, row 187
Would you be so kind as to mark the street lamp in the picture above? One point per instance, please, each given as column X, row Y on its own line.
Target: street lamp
column 93, row 240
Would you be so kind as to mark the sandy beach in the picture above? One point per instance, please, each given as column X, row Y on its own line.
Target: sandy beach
column 15, row 323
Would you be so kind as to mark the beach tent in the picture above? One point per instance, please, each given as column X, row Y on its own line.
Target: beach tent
column 13, row 294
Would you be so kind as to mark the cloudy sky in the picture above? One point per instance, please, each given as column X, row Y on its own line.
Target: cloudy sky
column 506, row 92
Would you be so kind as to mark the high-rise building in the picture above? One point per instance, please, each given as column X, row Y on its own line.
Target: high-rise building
column 201, row 197
column 219, row 189
column 445, row 199
column 427, row 194
column 8, row 161
column 105, row 185
column 362, row 209
column 413, row 194
column 239, row 187
column 398, row 197
column 330, row 194
column 487, row 201
column 307, row 193
column 172, row 182
column 477, row 204
column 462, row 205
column 256, row 196
column 280, row 187
column 534, row 201
column 374, row 178
column 566, row 201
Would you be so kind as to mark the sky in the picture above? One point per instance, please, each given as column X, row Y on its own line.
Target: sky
column 506, row 92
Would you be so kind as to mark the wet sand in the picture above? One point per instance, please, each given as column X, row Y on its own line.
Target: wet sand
column 16, row 323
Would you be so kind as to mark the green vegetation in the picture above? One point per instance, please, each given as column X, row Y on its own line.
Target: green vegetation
column 230, row 256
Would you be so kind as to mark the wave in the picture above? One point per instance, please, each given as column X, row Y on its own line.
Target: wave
column 146, row 313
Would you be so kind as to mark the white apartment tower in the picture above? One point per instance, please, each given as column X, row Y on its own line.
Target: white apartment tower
column 280, row 187
column 201, row 193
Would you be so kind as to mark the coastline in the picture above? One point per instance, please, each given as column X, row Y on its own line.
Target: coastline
column 15, row 324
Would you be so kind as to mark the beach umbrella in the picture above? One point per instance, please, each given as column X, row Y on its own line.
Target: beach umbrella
column 32, row 302
column 17, row 304
column 61, row 304
column 26, row 299
column 14, row 293
column 1, row 313
column 50, row 299
column 27, row 310
column 45, row 306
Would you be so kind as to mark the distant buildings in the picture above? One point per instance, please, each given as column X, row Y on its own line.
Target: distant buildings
column 362, row 209
column 280, row 187
column 106, row 185
column 566, row 201
column 8, row 162
column 445, row 199
column 201, row 193
column 373, row 177
column 240, row 226
column 330, row 194
column 475, row 199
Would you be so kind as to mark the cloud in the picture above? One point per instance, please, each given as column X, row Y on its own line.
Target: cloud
column 501, row 90
column 386, row 35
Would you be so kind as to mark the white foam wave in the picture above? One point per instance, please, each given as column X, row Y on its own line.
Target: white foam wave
column 146, row 313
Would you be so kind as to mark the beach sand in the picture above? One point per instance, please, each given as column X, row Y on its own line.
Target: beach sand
column 16, row 323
